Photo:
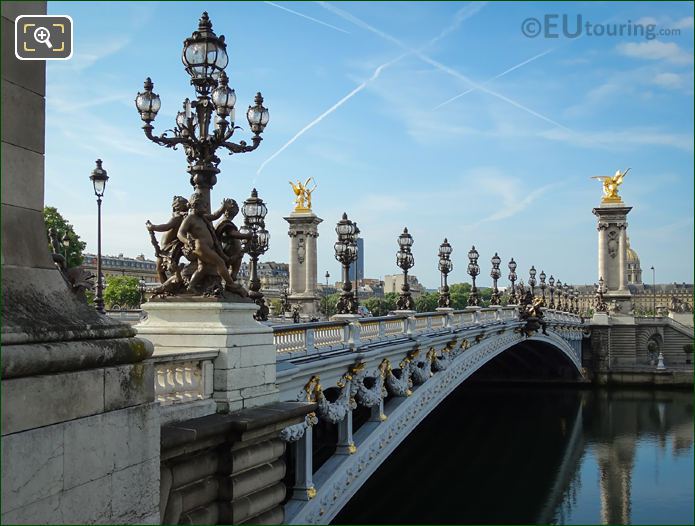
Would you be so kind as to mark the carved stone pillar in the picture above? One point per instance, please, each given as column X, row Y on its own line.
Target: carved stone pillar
column 612, row 254
column 303, row 231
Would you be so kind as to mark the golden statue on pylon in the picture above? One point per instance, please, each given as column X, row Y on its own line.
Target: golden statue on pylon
column 303, row 193
column 610, row 186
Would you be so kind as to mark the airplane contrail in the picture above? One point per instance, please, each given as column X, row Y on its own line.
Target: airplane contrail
column 461, row 15
column 307, row 17
column 330, row 110
column 442, row 67
column 452, row 99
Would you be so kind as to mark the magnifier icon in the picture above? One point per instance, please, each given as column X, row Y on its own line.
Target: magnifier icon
column 42, row 36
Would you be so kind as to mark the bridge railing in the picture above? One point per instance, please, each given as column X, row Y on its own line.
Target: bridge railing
column 305, row 339
column 183, row 377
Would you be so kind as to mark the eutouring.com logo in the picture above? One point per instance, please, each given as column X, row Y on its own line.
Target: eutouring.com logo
column 574, row 26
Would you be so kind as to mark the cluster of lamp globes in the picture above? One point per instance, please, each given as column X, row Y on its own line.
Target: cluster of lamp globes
column 204, row 58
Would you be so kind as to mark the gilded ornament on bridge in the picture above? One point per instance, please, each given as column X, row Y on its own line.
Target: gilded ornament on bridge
column 610, row 186
column 303, row 194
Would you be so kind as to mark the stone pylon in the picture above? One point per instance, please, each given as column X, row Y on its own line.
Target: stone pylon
column 612, row 253
column 303, row 232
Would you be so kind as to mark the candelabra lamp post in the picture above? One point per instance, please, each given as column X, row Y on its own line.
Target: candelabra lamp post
column 445, row 267
column 551, row 288
column 285, row 294
column 601, row 305
column 565, row 297
column 141, row 289
column 473, row 270
column 345, row 252
column 325, row 295
column 512, row 279
column 99, row 178
column 254, row 211
column 543, row 286
column 356, row 250
column 406, row 261
column 495, row 274
column 65, row 241
column 197, row 130
column 532, row 280
column 558, row 291
column 575, row 293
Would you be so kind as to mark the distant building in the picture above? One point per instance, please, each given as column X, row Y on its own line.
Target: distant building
column 634, row 271
column 359, row 264
column 120, row 265
column 394, row 282
column 273, row 275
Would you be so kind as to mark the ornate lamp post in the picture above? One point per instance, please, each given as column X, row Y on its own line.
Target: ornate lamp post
column 445, row 266
column 512, row 278
column 285, row 294
column 356, row 251
column 65, row 241
column 345, row 253
column 543, row 285
column 558, row 290
column 99, row 178
column 141, row 289
column 551, row 282
column 495, row 274
column 204, row 58
column 601, row 305
column 325, row 294
column 406, row 261
column 575, row 294
column 254, row 211
column 473, row 270
column 565, row 296
column 532, row 280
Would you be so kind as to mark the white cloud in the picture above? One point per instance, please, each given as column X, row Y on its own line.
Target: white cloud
column 656, row 50
column 669, row 80
column 622, row 139
column 684, row 23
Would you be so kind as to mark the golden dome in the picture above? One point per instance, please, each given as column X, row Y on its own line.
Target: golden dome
column 632, row 256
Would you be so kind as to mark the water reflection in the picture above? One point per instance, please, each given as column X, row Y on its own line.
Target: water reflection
column 539, row 455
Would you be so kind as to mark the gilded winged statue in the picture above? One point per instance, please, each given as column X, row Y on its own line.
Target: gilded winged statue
column 611, row 184
column 303, row 193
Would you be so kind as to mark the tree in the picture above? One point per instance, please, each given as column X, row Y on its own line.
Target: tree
column 328, row 304
column 53, row 219
column 426, row 302
column 459, row 295
column 123, row 291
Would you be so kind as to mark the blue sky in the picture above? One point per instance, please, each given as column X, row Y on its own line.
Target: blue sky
column 506, row 166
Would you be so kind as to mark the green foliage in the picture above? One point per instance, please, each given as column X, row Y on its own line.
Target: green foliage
column 328, row 304
column 426, row 302
column 381, row 306
column 276, row 307
column 123, row 291
column 53, row 219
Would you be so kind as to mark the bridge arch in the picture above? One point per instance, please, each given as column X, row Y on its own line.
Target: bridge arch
column 339, row 477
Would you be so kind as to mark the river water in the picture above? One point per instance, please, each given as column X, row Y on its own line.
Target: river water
column 539, row 455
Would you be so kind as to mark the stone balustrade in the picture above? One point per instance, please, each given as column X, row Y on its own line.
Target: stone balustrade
column 183, row 377
column 293, row 341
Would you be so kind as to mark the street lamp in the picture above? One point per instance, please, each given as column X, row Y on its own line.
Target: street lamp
column 345, row 253
column 141, row 288
column 565, row 295
column 653, row 291
column 558, row 289
column 204, row 58
column 325, row 295
column 285, row 293
column 512, row 278
column 551, row 282
column 532, row 280
column 355, row 235
column 99, row 178
column 445, row 266
column 405, row 260
column 495, row 274
column 600, row 302
column 473, row 270
column 543, row 285
column 65, row 240
column 254, row 211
